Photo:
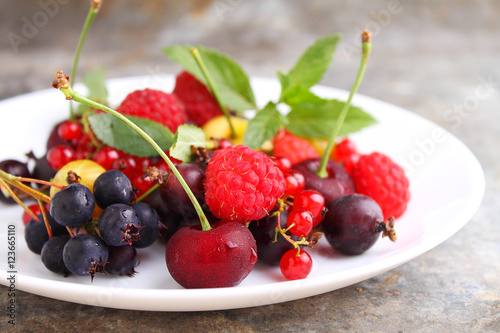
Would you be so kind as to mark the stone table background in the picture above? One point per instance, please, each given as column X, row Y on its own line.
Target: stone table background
column 428, row 57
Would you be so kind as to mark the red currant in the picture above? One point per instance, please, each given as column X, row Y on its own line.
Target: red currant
column 142, row 184
column 127, row 165
column 345, row 152
column 35, row 209
column 106, row 156
column 313, row 201
column 84, row 147
column 59, row 156
column 282, row 163
column 296, row 264
column 161, row 165
column 142, row 164
column 224, row 143
column 69, row 130
column 302, row 221
column 295, row 182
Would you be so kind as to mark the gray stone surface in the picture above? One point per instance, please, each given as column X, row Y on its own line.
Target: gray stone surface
column 428, row 57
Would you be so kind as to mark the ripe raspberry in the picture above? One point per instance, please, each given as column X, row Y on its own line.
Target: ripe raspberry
column 242, row 184
column 199, row 103
column 155, row 105
column 292, row 147
column 378, row 177
column 345, row 152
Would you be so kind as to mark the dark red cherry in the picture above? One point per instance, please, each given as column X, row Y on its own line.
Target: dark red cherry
column 338, row 182
column 15, row 168
column 174, row 195
column 220, row 257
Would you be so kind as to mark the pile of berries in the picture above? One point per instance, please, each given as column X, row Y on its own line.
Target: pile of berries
column 107, row 204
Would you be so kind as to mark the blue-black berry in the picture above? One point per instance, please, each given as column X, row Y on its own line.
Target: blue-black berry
column 150, row 223
column 112, row 187
column 119, row 225
column 73, row 205
column 85, row 254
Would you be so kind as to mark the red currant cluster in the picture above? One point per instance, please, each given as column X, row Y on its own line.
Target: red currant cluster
column 306, row 209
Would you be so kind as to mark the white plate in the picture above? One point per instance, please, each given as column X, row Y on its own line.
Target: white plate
column 447, row 186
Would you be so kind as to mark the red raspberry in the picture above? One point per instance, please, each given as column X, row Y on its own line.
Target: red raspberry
column 155, row 105
column 242, row 184
column 199, row 103
column 292, row 147
column 378, row 177
column 345, row 152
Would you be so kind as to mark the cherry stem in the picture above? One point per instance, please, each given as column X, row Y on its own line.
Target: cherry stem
column 197, row 56
column 148, row 192
column 12, row 180
column 366, row 46
column 47, row 225
column 95, row 5
column 61, row 82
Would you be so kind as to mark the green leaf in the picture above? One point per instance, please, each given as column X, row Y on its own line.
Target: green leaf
column 81, row 109
column 185, row 137
column 115, row 133
column 230, row 81
column 263, row 126
column 95, row 81
column 305, row 98
column 311, row 66
column 313, row 120
column 283, row 78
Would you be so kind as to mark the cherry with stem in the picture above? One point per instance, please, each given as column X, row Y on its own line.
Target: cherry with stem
column 366, row 48
column 95, row 5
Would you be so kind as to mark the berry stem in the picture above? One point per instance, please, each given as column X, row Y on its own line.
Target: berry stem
column 47, row 225
column 9, row 192
column 71, row 234
column 93, row 10
column 12, row 180
column 39, row 181
column 197, row 56
column 61, row 82
column 295, row 244
column 387, row 229
column 366, row 46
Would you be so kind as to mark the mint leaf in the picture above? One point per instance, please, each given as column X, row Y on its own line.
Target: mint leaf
column 313, row 120
column 305, row 97
column 230, row 81
column 115, row 133
column 310, row 67
column 263, row 126
column 95, row 81
column 185, row 137
column 81, row 109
